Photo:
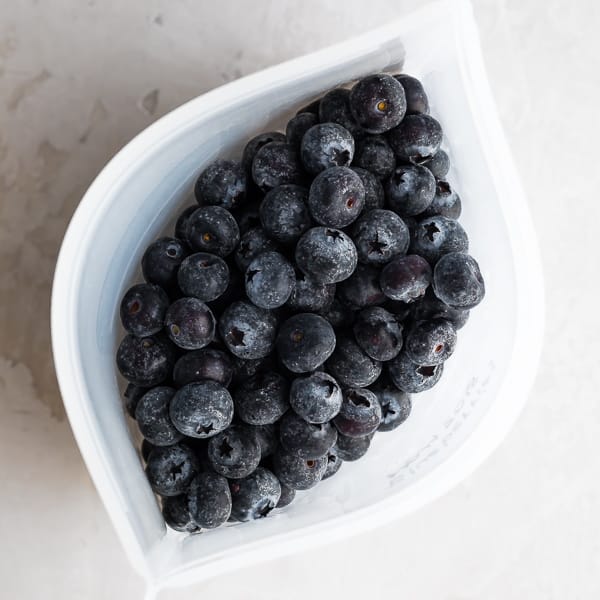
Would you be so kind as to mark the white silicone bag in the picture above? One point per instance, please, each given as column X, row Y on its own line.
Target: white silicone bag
column 452, row 428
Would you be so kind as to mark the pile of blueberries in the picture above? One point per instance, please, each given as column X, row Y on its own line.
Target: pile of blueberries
column 316, row 284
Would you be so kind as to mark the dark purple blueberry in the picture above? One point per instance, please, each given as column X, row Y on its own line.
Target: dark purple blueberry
column 335, row 108
column 204, row 276
column 406, row 278
column 209, row 500
column 378, row 333
column 170, row 469
column 269, row 280
column 431, row 307
column 161, row 261
column 334, row 463
column 309, row 295
column 395, row 404
column 410, row 190
column 213, row 229
column 416, row 139
column 380, row 235
column 233, row 292
column 438, row 164
column 378, row 103
column 234, row 452
column 262, row 399
column 145, row 361
column 132, row 396
column 252, row 243
column 446, row 202
column 360, row 414
column 182, row 223
column 325, row 254
column 284, row 213
column 146, row 448
column 287, row 496
column 374, row 154
column 374, row 194
column 275, row 164
column 297, row 126
column 201, row 409
column 267, row 437
column 298, row 473
column 430, row 342
column 256, row 143
column 247, row 330
column 222, row 183
column 416, row 98
column 326, row 145
column 352, row 448
column 152, row 416
column 207, row 363
column 313, row 108
column 306, row 440
column 190, row 323
column 412, row 378
column 361, row 288
column 304, row 342
column 436, row 236
column 316, row 398
column 176, row 514
column 351, row 366
column 336, row 197
column 457, row 281
column 254, row 496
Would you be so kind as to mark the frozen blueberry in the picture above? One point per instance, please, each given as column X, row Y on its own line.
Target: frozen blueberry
column 207, row 363
column 438, row 164
column 334, row 463
column 336, row 197
column 416, row 98
column 378, row 333
column 374, row 154
column 297, row 126
column 352, row 448
column 327, row 255
column 256, row 143
column 132, row 396
column 316, row 398
column 287, row 496
column 410, row 190
column 201, row 409
column 277, row 163
column 222, row 183
column 161, row 261
column 152, row 416
column 361, row 288
column 457, row 281
column 262, row 399
column 412, row 378
column 182, row 222
column 395, row 404
column 378, row 103
column 252, row 243
column 339, row 315
column 144, row 361
column 446, row 202
column 170, row 469
column 430, row 342
column 309, row 295
column 374, row 194
column 269, row 280
column 177, row 515
column 401, row 310
column 298, row 473
column 304, row 342
column 213, row 229
column 233, row 292
column 244, row 369
column 234, row 452
column 209, row 500
column 360, row 414
column 254, row 496
column 335, row 108
column 326, row 145
column 247, row 330
column 146, row 448
column 204, row 276
column 416, row 139
column 190, row 323
column 436, row 236
column 284, row 213
column 306, row 440
column 406, row 278
column 267, row 437
column 351, row 366
column 379, row 235
column 431, row 307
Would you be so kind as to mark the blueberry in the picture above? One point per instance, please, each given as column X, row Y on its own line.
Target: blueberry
column 297, row 126
column 336, row 197
column 362, row 288
column 378, row 103
column 316, row 398
column 378, row 333
column 406, row 278
column 416, row 139
column 132, row 396
column 374, row 154
column 247, row 330
column 252, row 243
column 145, row 449
column 284, row 213
column 254, row 496
column 161, row 261
column 326, row 145
column 379, row 235
column 401, row 310
column 190, row 323
column 327, row 255
column 233, row 292
column 335, row 108
column 457, row 281
column 207, row 363
column 182, row 223
column 395, row 404
column 352, row 448
column 144, row 361
column 446, row 202
column 309, row 295
column 152, row 416
column 430, row 342
column 306, row 440
column 431, row 307
column 360, row 414
column 410, row 190
column 170, row 469
column 201, row 409
column 351, row 366
column 416, row 98
column 245, row 368
column 334, row 463
column 213, row 229
column 287, row 496
column 204, row 276
column 374, row 194
column 256, row 143
column 222, row 183
column 304, row 342
column 438, row 164
column 209, row 500
column 269, row 280
column 262, row 399
column 267, row 437
column 298, row 473
column 276, row 163
column 436, row 236
column 177, row 515
column 234, row 452
column 412, row 378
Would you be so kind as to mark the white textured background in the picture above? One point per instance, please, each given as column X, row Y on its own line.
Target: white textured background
column 78, row 78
